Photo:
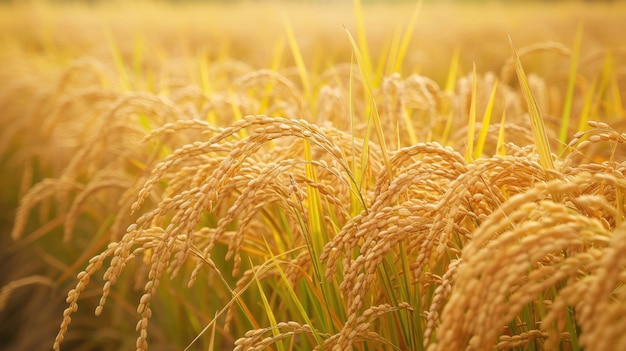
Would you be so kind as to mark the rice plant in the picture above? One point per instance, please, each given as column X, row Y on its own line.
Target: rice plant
column 316, row 191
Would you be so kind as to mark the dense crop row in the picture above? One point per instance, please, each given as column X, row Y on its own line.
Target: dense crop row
column 369, row 179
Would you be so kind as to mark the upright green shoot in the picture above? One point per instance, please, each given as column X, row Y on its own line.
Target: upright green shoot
column 399, row 289
column 453, row 71
column 125, row 80
column 269, row 86
column 589, row 104
column 317, row 229
column 297, row 56
column 392, row 49
column 269, row 312
column 449, row 89
column 320, row 288
column 500, row 150
column 372, row 104
column 569, row 95
column 540, row 136
column 294, row 297
column 471, row 124
column 358, row 172
column 484, row 128
column 406, row 37
column 205, row 83
column 608, row 89
column 203, row 71
column 596, row 92
column 366, row 61
column 399, row 47
column 618, row 108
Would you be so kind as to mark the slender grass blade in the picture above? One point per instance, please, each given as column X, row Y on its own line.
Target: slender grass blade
column 540, row 136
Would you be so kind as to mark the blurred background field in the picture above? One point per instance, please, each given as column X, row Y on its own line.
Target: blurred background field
column 54, row 54
column 251, row 32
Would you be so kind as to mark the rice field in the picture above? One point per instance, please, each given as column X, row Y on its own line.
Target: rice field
column 312, row 176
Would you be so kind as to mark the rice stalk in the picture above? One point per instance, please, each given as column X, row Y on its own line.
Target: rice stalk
column 449, row 88
column 536, row 122
column 567, row 108
column 500, row 143
column 406, row 38
column 471, row 124
column 482, row 136
column 363, row 68
column 270, row 315
column 295, row 51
